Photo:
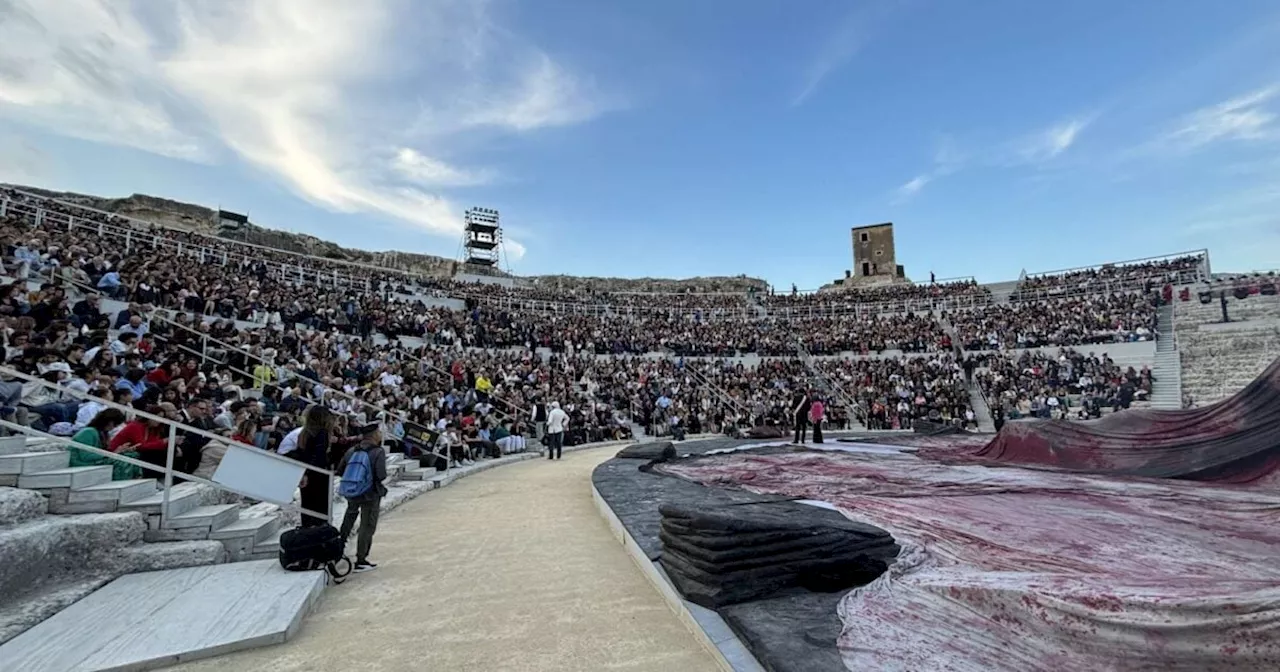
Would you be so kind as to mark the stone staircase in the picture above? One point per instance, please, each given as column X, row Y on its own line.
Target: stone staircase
column 1218, row 359
column 67, row 531
column 1002, row 291
column 981, row 411
column 831, row 389
column 1166, row 391
column 43, row 468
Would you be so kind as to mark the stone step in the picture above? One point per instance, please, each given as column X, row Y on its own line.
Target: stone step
column 181, row 500
column 67, row 477
column 209, row 517
column 270, row 545
column 257, row 529
column 115, row 491
column 31, row 462
column 10, row 445
column 150, row 620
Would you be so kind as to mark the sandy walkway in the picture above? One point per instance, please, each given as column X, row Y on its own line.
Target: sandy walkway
column 510, row 569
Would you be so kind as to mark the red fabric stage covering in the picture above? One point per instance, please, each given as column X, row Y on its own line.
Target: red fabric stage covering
column 1236, row 440
column 1162, row 557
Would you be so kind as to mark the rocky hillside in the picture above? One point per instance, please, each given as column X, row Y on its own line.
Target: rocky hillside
column 190, row 217
column 714, row 284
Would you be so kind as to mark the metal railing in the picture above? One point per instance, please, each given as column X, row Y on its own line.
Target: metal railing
column 1202, row 253
column 130, row 238
column 528, row 304
column 1108, row 286
column 169, row 472
column 702, row 380
column 134, row 222
column 854, row 410
column 206, row 339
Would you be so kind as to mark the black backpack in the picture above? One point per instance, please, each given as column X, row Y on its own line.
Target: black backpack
column 304, row 549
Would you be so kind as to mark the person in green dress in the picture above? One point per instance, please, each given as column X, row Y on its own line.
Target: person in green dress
column 97, row 434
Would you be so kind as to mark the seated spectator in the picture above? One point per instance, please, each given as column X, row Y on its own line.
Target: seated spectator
column 148, row 439
column 95, row 435
column 112, row 285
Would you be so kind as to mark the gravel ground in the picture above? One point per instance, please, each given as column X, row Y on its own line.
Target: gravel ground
column 512, row 569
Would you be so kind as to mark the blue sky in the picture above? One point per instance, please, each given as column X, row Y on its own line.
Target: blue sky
column 670, row 137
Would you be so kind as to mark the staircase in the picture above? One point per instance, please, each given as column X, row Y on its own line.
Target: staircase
column 43, row 468
column 830, row 388
column 66, row 531
column 981, row 411
column 1166, row 391
column 1001, row 292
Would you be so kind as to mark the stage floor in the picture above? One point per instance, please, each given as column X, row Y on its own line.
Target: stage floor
column 1002, row 567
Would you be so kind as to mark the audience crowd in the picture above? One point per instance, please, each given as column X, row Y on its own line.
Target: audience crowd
column 893, row 297
column 1068, row 384
column 258, row 338
column 1081, row 320
column 1111, row 278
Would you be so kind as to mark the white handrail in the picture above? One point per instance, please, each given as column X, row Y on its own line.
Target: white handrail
column 285, row 271
column 342, row 262
column 147, row 466
column 9, row 372
column 1121, row 264
column 206, row 339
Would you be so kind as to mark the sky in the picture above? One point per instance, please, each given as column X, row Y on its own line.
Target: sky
column 669, row 138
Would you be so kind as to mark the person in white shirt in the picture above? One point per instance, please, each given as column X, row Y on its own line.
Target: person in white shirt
column 557, row 423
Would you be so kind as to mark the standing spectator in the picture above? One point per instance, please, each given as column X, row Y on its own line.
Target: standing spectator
column 365, row 505
column 539, row 415
column 800, row 413
column 312, row 447
column 817, row 412
column 557, row 423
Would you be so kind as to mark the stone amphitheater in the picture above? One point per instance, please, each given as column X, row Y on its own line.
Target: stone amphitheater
column 1220, row 358
column 487, row 568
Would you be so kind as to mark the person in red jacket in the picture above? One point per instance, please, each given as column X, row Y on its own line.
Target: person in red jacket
column 149, row 437
column 162, row 375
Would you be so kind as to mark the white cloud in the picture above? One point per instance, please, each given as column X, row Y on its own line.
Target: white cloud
column 544, row 95
column 850, row 36
column 319, row 94
column 86, row 70
column 423, row 170
column 1051, row 142
column 913, row 186
column 1241, row 118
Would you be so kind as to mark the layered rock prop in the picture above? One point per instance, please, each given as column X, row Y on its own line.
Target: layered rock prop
column 733, row 554
column 660, row 451
column 764, row 432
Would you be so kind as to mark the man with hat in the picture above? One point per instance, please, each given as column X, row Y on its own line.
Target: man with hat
column 365, row 505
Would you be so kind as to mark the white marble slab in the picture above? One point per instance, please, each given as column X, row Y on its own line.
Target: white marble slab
column 155, row 619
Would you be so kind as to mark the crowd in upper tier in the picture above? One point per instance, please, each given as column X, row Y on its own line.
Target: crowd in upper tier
column 1047, row 385
column 303, row 329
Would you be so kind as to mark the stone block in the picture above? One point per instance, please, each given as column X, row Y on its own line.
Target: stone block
column 83, row 507
column 56, row 545
column 172, row 555
column 18, row 505
column 182, row 534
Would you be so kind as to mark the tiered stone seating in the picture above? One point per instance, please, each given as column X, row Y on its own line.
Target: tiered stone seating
column 1220, row 359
